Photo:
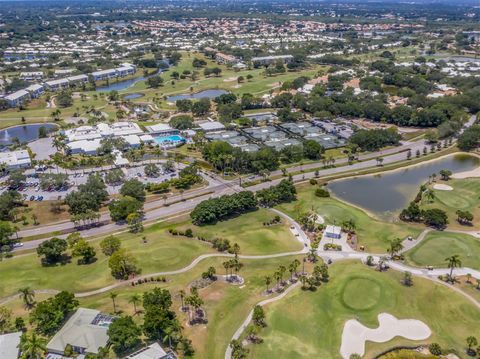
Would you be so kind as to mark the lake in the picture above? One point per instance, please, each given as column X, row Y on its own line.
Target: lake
column 211, row 94
column 25, row 133
column 388, row 193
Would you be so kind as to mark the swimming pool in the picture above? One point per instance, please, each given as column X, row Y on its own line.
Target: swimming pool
column 172, row 139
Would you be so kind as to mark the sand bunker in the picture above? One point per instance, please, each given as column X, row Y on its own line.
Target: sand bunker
column 356, row 334
column 442, row 187
column 230, row 79
column 467, row 174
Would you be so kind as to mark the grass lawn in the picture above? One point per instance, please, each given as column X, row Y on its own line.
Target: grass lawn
column 372, row 233
column 226, row 305
column 439, row 245
column 253, row 237
column 163, row 252
column 464, row 196
column 310, row 324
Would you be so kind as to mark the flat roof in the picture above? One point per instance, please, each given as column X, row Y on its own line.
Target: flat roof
column 211, row 125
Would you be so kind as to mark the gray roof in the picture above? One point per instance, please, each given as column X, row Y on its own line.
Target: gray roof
column 86, row 328
column 153, row 351
column 9, row 345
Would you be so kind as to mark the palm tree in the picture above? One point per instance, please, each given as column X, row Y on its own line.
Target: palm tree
column 134, row 299
column 168, row 334
column 226, row 265
column 395, row 246
column 28, row 297
column 268, row 281
column 112, row 297
column 182, row 297
column 453, row 262
column 32, row 347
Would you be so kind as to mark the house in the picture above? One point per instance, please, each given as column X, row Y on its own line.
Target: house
column 17, row 98
column 9, row 345
column 334, row 232
column 268, row 60
column 153, row 351
column 211, row 126
column 56, row 85
column 85, row 331
column 35, row 90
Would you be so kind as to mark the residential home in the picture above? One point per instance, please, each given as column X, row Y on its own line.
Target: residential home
column 85, row 331
column 56, row 85
column 153, row 351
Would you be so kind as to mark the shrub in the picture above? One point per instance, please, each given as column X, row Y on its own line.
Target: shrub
column 435, row 349
column 322, row 192
column 313, row 181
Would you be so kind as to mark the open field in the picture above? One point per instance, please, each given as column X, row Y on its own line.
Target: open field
column 372, row 233
column 437, row 246
column 162, row 252
column 465, row 196
column 309, row 324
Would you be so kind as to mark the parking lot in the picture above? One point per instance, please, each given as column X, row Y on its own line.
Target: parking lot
column 31, row 190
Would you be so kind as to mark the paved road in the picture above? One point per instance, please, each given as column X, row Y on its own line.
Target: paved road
column 156, row 209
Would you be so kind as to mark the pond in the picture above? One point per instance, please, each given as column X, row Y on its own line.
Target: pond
column 25, row 133
column 388, row 193
column 125, row 84
column 198, row 95
column 132, row 96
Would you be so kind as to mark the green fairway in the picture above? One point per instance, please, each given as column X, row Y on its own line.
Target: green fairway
column 249, row 232
column 309, row 324
column 372, row 233
column 162, row 252
column 465, row 196
column 439, row 245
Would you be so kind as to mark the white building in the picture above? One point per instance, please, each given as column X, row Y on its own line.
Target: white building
column 35, row 90
column 268, row 60
column 211, row 126
column 162, row 129
column 56, row 85
column 85, row 332
column 9, row 345
column 78, row 79
column 31, row 76
column 17, row 98
column 333, row 232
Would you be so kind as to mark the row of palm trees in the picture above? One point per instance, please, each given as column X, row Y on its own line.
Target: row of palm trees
column 279, row 274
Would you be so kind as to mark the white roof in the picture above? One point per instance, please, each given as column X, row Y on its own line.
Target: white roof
column 159, row 127
column 153, row 351
column 56, row 82
column 34, row 87
column 9, row 345
column 132, row 140
column 211, row 125
column 15, row 158
column 16, row 95
column 104, row 72
column 77, row 77
column 333, row 229
column 85, row 145
column 81, row 331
